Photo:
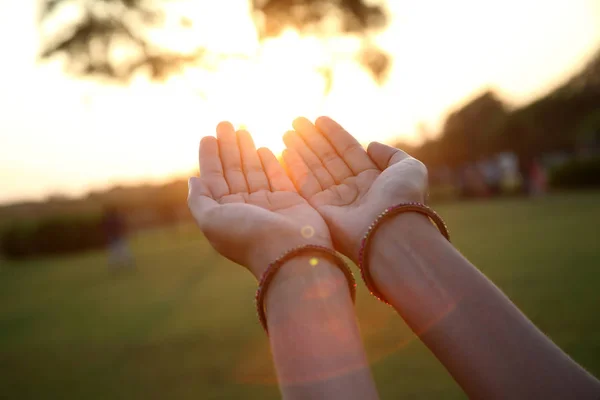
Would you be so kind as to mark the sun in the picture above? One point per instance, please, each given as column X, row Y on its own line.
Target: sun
column 264, row 94
column 274, row 81
column 264, row 84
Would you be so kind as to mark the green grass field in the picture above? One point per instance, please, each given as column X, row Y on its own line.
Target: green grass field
column 183, row 325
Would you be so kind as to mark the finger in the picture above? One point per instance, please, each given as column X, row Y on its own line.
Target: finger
column 323, row 150
column 353, row 154
column 278, row 179
column 293, row 141
column 200, row 200
column 230, row 158
column 303, row 178
column 384, row 155
column 253, row 169
column 211, row 169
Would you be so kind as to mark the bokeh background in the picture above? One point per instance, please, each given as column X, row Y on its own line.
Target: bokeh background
column 104, row 102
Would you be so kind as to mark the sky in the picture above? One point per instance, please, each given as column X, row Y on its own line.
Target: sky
column 61, row 135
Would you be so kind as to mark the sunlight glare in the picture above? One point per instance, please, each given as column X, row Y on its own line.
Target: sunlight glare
column 264, row 85
column 265, row 94
column 147, row 131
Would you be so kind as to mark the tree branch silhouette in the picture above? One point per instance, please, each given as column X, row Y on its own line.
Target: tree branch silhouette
column 112, row 38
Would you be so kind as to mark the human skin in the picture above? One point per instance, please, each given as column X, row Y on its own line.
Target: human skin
column 251, row 213
column 490, row 348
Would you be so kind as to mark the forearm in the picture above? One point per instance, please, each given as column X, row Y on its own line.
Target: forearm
column 485, row 342
column 316, row 345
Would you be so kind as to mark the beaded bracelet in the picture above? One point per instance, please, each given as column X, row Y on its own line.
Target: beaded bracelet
column 271, row 271
column 388, row 213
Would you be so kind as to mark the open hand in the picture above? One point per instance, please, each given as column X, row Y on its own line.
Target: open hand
column 346, row 184
column 246, row 205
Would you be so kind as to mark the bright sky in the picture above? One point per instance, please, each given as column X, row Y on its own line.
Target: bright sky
column 60, row 135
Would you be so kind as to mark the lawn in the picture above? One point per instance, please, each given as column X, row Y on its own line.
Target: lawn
column 183, row 326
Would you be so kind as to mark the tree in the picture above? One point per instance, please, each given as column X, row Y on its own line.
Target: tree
column 557, row 121
column 567, row 119
column 114, row 38
column 473, row 131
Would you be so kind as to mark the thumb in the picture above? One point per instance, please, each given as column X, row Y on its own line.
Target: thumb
column 384, row 156
column 199, row 198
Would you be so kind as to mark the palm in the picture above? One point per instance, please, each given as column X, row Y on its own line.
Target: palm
column 262, row 213
column 350, row 191
column 245, row 204
column 267, row 200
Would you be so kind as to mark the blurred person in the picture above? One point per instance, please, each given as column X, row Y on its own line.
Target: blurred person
column 472, row 182
column 115, row 230
column 537, row 178
column 510, row 178
column 255, row 212
column 492, row 175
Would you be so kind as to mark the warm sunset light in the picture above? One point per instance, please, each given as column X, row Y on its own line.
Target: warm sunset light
column 265, row 94
column 147, row 131
column 261, row 86
column 442, row 161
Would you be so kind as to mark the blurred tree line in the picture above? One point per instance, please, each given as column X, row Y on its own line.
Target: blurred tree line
column 64, row 225
column 565, row 121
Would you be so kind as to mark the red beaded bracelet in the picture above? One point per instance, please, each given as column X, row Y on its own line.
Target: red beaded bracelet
column 271, row 271
column 388, row 213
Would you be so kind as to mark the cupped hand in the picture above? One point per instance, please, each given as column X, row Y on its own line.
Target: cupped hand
column 346, row 184
column 246, row 205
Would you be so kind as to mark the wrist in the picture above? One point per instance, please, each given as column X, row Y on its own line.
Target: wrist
column 415, row 268
column 301, row 282
column 401, row 221
column 365, row 217
column 405, row 225
column 308, row 269
column 305, row 269
column 276, row 246
column 406, row 232
column 400, row 238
